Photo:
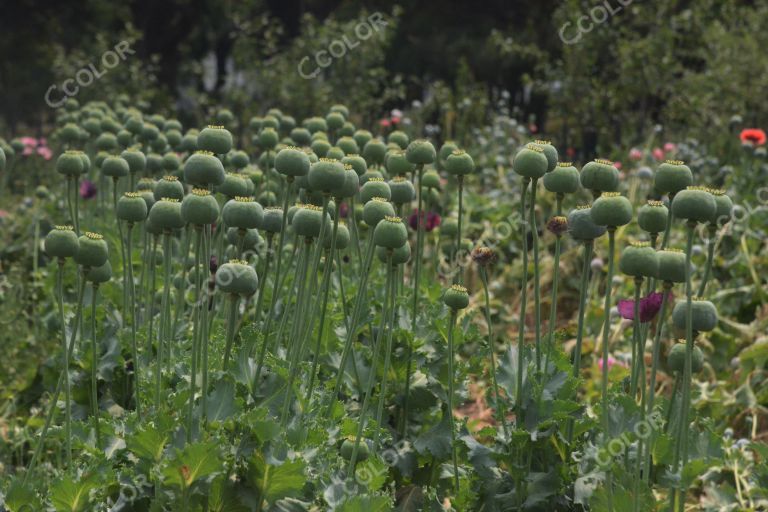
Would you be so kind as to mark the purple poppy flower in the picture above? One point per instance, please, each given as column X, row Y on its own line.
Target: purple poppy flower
column 649, row 307
column 430, row 220
column 87, row 189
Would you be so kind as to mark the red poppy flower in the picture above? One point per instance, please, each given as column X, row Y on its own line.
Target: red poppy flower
column 754, row 136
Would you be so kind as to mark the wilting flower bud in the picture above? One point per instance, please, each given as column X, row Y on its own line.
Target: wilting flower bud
column 557, row 225
column 483, row 256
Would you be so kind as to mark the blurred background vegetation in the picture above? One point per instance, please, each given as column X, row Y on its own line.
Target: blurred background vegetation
column 681, row 67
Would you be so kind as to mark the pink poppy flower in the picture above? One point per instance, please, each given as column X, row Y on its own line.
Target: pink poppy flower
column 384, row 123
column 617, row 165
column 612, row 361
column 649, row 307
column 669, row 147
column 45, row 152
column 87, row 189
column 28, row 141
column 635, row 154
column 28, row 150
column 658, row 154
column 395, row 120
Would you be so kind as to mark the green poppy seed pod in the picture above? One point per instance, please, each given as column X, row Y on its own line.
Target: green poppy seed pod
column 400, row 138
column 611, row 209
column 530, row 162
column 672, row 176
column 564, row 179
column 671, row 265
column 676, row 358
column 307, row 221
column 149, row 198
column 376, row 210
column 402, row 190
column 341, row 109
column 319, row 136
column 456, row 297
column 369, row 175
column 100, row 274
column 267, row 160
column 397, row 163
column 71, row 105
column 267, row 198
column 652, row 217
column 301, row 137
column 152, row 228
column 61, row 242
column 70, row 163
column 203, row 169
column 335, row 153
column 348, row 448
column 92, row 250
column 225, row 117
column 362, row 137
column 357, row 162
column 315, row 124
column 92, row 126
column 268, row 138
column 137, row 161
column 694, row 204
column 199, row 208
column 600, row 175
column 69, row 133
column 134, row 125
column 174, row 138
column 400, row 255
column 242, row 213
column 639, row 260
column 188, row 143
column 581, row 227
column 292, row 161
column 169, row 186
column 171, row 162
column 374, row 152
column 108, row 124
column 114, row 167
column 131, row 207
column 459, row 163
column 271, row 121
column 159, row 144
column 216, row 139
column 320, row 147
column 172, row 124
column 157, row 119
column 351, row 183
column 446, row 149
column 107, row 142
column 272, row 222
column 326, row 176
column 420, row 152
column 251, row 240
column 375, row 187
column 149, row 132
column 348, row 145
column 347, row 129
column 99, row 159
column 287, row 124
column 431, row 180
column 124, row 138
column 166, row 214
column 237, row 277
column 254, row 124
column 334, row 120
column 234, row 185
column 724, row 208
column 390, row 233
column 342, row 238
column 550, row 152
column 704, row 315
column 154, row 163
column 239, row 159
column 449, row 227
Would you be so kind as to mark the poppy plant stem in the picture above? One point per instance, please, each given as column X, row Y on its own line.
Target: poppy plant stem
column 712, row 231
column 67, row 387
column 637, row 349
column 390, row 308
column 94, row 364
column 500, row 407
column 536, row 274
column 523, row 304
column 458, row 279
column 196, row 312
column 583, row 288
column 667, row 287
column 451, row 327
column 132, row 302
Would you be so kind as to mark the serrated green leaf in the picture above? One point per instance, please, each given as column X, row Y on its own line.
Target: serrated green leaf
column 148, row 443
column 69, row 495
column 365, row 504
column 195, row 462
column 274, row 482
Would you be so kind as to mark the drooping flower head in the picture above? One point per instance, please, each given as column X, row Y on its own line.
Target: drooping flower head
column 649, row 307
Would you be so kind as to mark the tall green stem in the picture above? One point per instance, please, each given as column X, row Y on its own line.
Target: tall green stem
column 197, row 313
column 637, row 349
column 94, row 364
column 536, row 274
column 606, row 331
column 459, row 274
column 451, row 375
column 654, row 365
column 583, row 288
column 500, row 406
column 132, row 301
column 712, row 231
column 67, row 388
column 231, row 321
column 523, row 304
column 390, row 308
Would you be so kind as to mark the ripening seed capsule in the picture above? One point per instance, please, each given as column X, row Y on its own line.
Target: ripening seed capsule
column 611, row 209
column 530, row 162
column 292, row 161
column 301, row 136
column 564, row 179
column 92, row 250
column 390, row 233
column 267, row 160
column 172, row 124
column 216, row 139
column 203, row 169
column 272, row 120
column 335, row 153
column 320, row 147
column 400, row 138
column 351, row 183
column 272, row 221
column 149, row 198
column 600, row 175
column 581, row 226
column 431, row 180
column 166, row 214
column 107, row 142
column 369, row 175
column 100, row 274
column 61, row 242
column 188, row 143
column 69, row 133
column 307, row 221
column 99, row 159
column 131, row 208
column 348, row 446
column 154, row 163
column 704, row 315
column 169, row 186
column 420, row 152
column 402, row 190
column 400, row 255
column 326, row 175
column 134, row 125
column 268, row 138
column 676, row 358
column 397, row 163
column 149, row 132
column 550, row 152
column 459, row 163
column 362, row 137
column 159, row 144
column 342, row 238
column 341, row 109
column 694, row 204
column 456, row 297
column 238, row 159
column 114, row 167
column 287, row 124
column 639, row 260
column 137, row 161
column 267, row 198
column 242, row 213
column 450, row 227
column 348, row 145
column 235, row 184
column 251, row 240
column 376, row 210
column 671, row 265
column 672, row 176
column 724, row 208
column 357, row 162
column 652, row 217
column 315, row 124
column 199, row 208
column 374, row 152
column 174, row 138
column 446, row 149
column 334, row 120
column 237, row 277
column 124, row 138
column 171, row 162
column 375, row 187
column 70, row 163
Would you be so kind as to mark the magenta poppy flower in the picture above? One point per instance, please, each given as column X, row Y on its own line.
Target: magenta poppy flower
column 635, row 154
column 649, row 307
column 45, row 152
column 658, row 154
column 430, row 220
column 87, row 189
column 612, row 361
column 670, row 147
column 343, row 210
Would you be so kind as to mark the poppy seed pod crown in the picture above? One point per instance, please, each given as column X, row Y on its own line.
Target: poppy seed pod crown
column 92, row 250
column 402, row 190
column 639, row 259
column 272, row 221
column 348, row 145
column 203, row 169
column 375, row 187
column 307, row 221
column 390, row 233
column 446, row 149
column 671, row 265
column 672, row 176
column 600, row 175
column 166, row 214
column 326, row 176
column 137, row 161
column 420, row 152
column 169, row 186
column 399, row 138
column 216, row 139
column 530, row 162
column 374, row 151
column 301, row 136
column 376, row 209
column 694, row 204
column 456, row 297
column 459, row 163
column 237, row 277
column 292, row 161
column 581, row 226
column 724, row 207
column 235, row 185
column 131, row 207
column 652, row 217
column 199, row 208
column 114, row 167
column 61, row 242
column 704, row 315
column 242, row 213
column 268, row 138
column 362, row 137
column 70, row 163
column 357, row 162
column 550, row 152
column 564, row 179
column 611, row 209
